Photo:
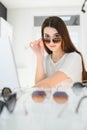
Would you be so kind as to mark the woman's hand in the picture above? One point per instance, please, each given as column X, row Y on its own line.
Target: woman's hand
column 38, row 47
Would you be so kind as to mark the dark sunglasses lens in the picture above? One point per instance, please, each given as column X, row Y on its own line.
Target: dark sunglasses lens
column 1, row 106
column 46, row 41
column 38, row 96
column 5, row 92
column 56, row 40
column 60, row 97
column 11, row 102
column 77, row 88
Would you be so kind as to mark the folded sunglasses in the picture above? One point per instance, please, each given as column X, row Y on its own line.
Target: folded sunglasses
column 9, row 100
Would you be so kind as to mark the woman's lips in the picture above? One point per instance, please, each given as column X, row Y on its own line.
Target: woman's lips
column 53, row 46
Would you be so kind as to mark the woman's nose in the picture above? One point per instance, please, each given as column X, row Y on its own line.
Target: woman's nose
column 51, row 41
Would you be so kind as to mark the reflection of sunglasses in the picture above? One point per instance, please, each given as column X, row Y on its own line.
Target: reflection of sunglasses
column 9, row 100
column 54, row 40
column 59, row 96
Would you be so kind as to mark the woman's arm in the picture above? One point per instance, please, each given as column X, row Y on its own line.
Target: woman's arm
column 70, row 69
column 52, row 81
column 38, row 48
column 39, row 69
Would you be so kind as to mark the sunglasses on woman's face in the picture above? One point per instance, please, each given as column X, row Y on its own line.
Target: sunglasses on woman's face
column 59, row 96
column 9, row 100
column 55, row 40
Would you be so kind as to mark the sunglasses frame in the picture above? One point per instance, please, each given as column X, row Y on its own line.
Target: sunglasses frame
column 79, row 103
column 81, row 86
column 55, row 40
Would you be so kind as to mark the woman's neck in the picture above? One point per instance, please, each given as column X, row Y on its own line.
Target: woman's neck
column 57, row 56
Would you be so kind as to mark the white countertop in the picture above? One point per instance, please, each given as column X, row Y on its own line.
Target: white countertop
column 48, row 115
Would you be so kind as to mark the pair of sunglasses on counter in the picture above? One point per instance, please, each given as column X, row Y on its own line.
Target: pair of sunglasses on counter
column 9, row 100
column 58, row 96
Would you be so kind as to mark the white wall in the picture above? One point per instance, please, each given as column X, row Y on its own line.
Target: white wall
column 5, row 28
column 23, row 33
column 21, row 21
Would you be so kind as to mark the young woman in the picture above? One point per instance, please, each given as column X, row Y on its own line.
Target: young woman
column 63, row 61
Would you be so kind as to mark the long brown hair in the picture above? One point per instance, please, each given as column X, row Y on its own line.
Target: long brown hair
column 67, row 45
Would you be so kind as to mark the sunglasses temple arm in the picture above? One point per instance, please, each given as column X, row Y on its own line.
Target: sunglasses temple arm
column 62, row 111
column 78, row 106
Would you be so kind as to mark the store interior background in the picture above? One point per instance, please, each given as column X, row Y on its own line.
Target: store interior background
column 21, row 15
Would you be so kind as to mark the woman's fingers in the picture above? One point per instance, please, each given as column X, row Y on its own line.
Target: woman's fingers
column 36, row 43
column 37, row 47
column 31, row 44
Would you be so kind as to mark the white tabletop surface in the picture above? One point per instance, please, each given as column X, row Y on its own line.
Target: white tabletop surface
column 48, row 115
